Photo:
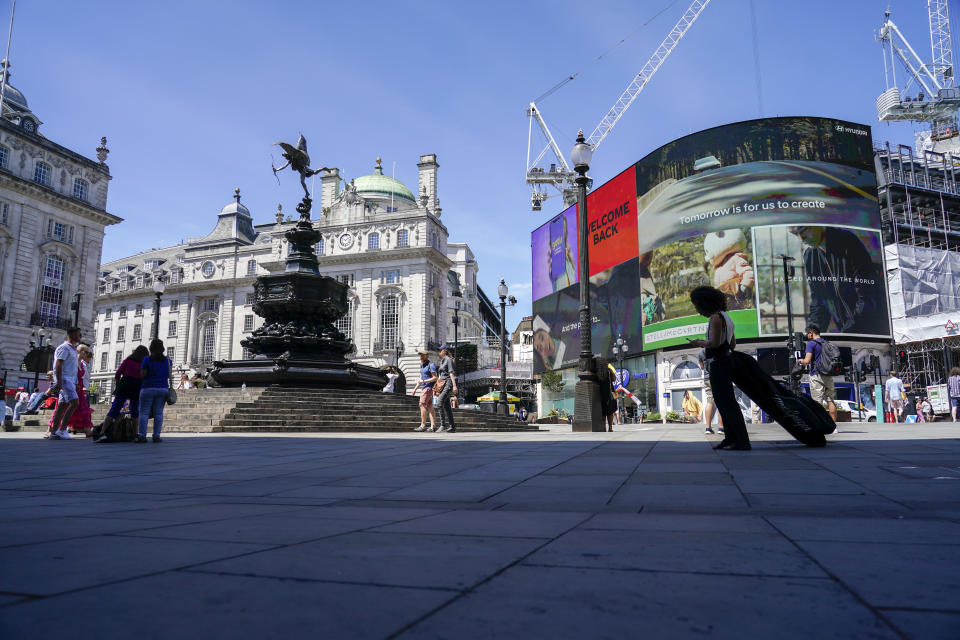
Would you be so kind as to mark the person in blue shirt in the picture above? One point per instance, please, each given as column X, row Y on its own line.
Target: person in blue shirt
column 155, row 372
column 821, row 386
column 428, row 377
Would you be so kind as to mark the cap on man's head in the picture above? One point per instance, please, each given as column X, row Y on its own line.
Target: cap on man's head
column 423, row 352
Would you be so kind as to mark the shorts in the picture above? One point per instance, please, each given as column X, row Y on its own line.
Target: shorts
column 68, row 392
column 821, row 389
column 896, row 403
column 426, row 397
column 707, row 390
column 954, row 401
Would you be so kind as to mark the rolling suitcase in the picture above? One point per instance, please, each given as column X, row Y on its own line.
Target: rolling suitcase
column 800, row 415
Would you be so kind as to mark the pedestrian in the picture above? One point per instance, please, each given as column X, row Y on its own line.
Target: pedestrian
column 155, row 373
column 65, row 370
column 719, row 344
column 709, row 408
column 37, row 398
column 126, row 388
column 21, row 404
column 607, row 377
column 691, row 405
column 446, row 389
column 894, row 393
column 953, row 389
column 428, row 376
column 927, row 409
column 391, row 380
column 184, row 381
column 919, row 409
column 80, row 420
column 821, row 385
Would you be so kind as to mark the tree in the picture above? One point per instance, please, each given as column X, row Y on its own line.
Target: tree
column 552, row 381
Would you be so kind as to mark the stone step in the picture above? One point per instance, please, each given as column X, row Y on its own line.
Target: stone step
column 359, row 428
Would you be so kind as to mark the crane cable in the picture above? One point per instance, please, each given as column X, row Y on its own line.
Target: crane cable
column 598, row 58
column 756, row 58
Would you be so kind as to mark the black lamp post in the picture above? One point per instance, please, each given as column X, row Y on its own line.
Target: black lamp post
column 158, row 287
column 76, row 308
column 587, row 414
column 456, row 341
column 399, row 351
column 502, row 292
column 620, row 350
column 37, row 349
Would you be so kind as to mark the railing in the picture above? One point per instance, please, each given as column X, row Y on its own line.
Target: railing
column 40, row 319
column 389, row 344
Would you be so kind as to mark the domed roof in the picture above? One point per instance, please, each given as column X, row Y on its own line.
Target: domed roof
column 10, row 94
column 377, row 184
column 235, row 206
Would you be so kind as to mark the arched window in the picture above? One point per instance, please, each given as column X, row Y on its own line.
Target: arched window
column 208, row 340
column 389, row 322
column 4, row 157
column 251, row 267
column 80, row 189
column 51, row 293
column 41, row 173
column 687, row 371
column 403, row 238
column 320, row 246
column 345, row 324
column 373, row 241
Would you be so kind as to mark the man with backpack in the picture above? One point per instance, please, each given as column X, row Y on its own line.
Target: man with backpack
column 823, row 358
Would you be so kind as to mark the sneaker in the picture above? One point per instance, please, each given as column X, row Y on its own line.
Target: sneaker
column 720, row 430
column 421, row 428
column 63, row 435
column 157, row 439
column 103, row 438
column 452, row 430
column 140, row 439
column 48, row 436
column 709, row 430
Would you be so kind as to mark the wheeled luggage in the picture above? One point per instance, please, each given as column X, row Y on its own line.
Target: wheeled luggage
column 800, row 415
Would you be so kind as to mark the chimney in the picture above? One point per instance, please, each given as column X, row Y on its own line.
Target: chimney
column 329, row 186
column 428, row 179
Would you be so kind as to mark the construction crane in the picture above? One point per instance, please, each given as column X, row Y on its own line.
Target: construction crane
column 928, row 93
column 559, row 175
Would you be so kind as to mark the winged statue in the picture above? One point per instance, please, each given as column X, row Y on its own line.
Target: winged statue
column 299, row 160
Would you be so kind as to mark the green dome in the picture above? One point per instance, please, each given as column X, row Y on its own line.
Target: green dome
column 378, row 184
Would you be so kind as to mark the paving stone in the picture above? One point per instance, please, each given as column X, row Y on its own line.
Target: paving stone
column 904, row 528
column 528, row 524
column 928, row 625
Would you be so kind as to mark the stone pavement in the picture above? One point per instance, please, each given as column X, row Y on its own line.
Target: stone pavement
column 642, row 533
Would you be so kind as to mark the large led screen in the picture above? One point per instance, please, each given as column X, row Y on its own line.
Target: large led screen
column 719, row 208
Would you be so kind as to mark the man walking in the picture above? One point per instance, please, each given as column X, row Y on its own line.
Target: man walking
column 66, row 363
column 894, row 392
column 428, row 377
column 448, row 386
column 821, row 385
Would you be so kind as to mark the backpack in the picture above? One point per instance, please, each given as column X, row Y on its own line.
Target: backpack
column 828, row 364
column 124, row 429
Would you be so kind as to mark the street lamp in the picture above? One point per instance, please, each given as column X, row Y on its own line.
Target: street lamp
column 456, row 341
column 587, row 414
column 36, row 346
column 158, row 287
column 399, row 350
column 502, row 292
column 620, row 350
column 76, row 308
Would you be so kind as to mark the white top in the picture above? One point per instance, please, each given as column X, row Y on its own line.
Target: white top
column 68, row 353
column 391, row 381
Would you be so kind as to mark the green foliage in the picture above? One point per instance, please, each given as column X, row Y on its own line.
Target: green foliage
column 673, row 416
column 652, row 416
column 552, row 381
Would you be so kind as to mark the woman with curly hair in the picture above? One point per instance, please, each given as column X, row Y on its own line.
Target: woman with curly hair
column 720, row 342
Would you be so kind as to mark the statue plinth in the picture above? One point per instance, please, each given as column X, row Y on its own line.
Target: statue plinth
column 298, row 342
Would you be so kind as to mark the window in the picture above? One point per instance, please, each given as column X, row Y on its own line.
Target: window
column 390, row 277
column 171, row 353
column 80, row 189
column 172, row 329
column 319, row 247
column 4, row 157
column 59, row 231
column 150, row 265
column 432, row 279
column 248, row 323
column 51, row 291
column 103, row 360
column 208, row 338
column 208, row 304
column 345, row 323
column 176, row 276
column 117, row 359
column 403, row 238
column 389, row 322
column 251, row 267
column 106, row 334
column 174, row 306
column 346, row 278
column 41, row 173
column 433, row 319
column 121, row 333
column 249, row 299
column 140, row 286
column 138, row 311
column 373, row 241
column 686, row 371
column 137, row 332
column 123, row 312
column 208, row 269
column 4, row 213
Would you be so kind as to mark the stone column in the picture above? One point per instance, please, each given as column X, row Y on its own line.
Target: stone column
column 191, row 325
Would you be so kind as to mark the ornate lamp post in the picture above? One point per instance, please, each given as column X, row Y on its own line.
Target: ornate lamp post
column 502, row 292
column 587, row 414
column 75, row 305
column 399, row 350
column 456, row 341
column 158, row 287
column 36, row 349
column 620, row 350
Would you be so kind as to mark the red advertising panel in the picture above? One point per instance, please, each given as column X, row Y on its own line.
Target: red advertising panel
column 612, row 222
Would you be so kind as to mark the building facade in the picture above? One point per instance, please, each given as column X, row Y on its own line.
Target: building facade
column 52, row 218
column 389, row 246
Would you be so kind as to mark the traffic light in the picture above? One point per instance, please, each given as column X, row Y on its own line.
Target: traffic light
column 902, row 360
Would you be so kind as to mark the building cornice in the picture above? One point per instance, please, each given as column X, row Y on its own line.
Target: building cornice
column 189, row 287
column 367, row 257
column 45, row 143
column 62, row 202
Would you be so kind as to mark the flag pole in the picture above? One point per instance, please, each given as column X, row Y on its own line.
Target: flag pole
column 6, row 59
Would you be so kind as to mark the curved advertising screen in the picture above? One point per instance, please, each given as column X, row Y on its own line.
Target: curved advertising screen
column 719, row 208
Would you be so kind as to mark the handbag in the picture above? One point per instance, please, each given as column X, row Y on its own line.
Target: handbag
column 440, row 384
column 171, row 392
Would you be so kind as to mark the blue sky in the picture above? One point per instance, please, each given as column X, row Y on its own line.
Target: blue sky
column 191, row 95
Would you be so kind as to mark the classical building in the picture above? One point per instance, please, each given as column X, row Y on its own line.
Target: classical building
column 390, row 246
column 52, row 219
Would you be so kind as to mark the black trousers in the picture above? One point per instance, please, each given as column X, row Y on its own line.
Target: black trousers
column 722, row 372
column 446, row 411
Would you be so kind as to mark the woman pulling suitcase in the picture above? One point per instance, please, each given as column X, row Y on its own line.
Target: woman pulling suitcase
column 722, row 367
